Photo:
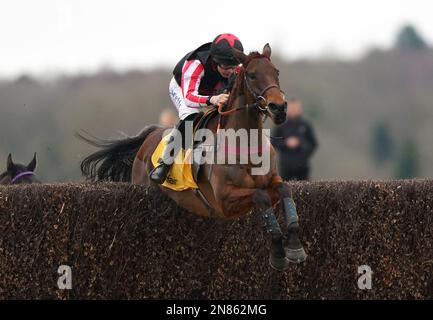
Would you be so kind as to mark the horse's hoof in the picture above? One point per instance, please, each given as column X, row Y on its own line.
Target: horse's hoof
column 279, row 264
column 296, row 255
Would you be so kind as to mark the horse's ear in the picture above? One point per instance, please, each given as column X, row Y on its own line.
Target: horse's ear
column 267, row 51
column 32, row 165
column 10, row 165
column 239, row 55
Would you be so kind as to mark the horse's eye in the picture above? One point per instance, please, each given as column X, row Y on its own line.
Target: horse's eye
column 252, row 76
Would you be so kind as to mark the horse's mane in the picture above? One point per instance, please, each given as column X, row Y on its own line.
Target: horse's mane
column 253, row 55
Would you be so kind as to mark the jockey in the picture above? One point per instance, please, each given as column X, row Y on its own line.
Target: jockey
column 198, row 77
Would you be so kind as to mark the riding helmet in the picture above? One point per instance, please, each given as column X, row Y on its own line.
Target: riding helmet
column 221, row 49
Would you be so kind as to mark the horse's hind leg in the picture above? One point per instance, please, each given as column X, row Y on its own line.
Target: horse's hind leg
column 263, row 203
column 295, row 251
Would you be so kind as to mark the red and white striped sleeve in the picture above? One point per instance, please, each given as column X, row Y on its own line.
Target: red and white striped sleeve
column 192, row 73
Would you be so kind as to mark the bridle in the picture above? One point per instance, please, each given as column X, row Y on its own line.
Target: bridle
column 22, row 174
column 258, row 97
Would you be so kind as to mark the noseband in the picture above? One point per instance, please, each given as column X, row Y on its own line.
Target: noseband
column 260, row 97
column 22, row 174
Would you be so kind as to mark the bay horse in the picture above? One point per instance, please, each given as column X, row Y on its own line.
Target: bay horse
column 18, row 173
column 227, row 191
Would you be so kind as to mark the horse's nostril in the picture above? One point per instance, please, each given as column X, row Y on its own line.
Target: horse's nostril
column 273, row 107
column 278, row 107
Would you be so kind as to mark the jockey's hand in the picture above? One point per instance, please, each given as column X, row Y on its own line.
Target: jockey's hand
column 219, row 100
column 293, row 142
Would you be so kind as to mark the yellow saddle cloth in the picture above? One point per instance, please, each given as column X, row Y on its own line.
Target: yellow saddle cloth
column 180, row 176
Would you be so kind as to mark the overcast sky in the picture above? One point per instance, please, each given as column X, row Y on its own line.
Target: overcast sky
column 50, row 36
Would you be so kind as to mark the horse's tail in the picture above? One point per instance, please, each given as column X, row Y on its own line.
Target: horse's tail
column 114, row 161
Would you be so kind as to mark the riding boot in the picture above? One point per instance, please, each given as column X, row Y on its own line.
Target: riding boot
column 160, row 172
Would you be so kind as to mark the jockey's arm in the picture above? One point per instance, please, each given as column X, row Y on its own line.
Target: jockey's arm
column 191, row 77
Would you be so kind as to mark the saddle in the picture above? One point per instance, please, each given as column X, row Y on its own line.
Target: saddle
column 185, row 170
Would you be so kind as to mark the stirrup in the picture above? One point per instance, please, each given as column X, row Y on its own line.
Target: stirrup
column 162, row 175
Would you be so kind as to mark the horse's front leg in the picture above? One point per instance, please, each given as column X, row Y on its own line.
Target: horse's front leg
column 232, row 198
column 263, row 204
column 295, row 251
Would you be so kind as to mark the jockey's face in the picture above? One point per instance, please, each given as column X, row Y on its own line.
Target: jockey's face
column 226, row 71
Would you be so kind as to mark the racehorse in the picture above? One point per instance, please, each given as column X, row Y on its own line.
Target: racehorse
column 226, row 191
column 18, row 173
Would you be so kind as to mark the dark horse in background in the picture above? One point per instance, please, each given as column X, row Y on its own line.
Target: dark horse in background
column 228, row 191
column 19, row 174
